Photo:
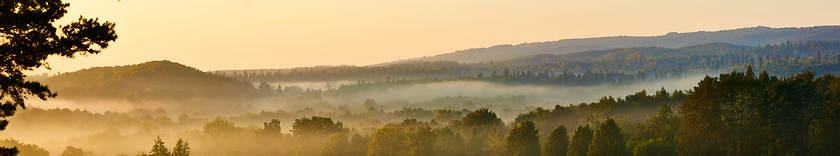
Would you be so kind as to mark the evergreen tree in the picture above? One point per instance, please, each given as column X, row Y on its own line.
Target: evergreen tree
column 481, row 124
column 608, row 141
column 663, row 125
column 159, row 149
column 182, row 148
column 29, row 37
column 523, row 140
column 557, row 143
column 579, row 145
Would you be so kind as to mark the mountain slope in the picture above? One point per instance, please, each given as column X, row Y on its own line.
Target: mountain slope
column 745, row 36
column 155, row 80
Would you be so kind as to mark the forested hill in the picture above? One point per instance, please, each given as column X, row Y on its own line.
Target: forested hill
column 778, row 59
column 745, row 36
column 620, row 53
column 155, row 80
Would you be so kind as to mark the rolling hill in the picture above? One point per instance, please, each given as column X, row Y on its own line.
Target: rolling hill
column 154, row 80
column 745, row 36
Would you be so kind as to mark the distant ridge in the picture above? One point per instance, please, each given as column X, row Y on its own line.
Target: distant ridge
column 754, row 36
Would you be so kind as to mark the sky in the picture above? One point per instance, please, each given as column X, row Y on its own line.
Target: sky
column 260, row 34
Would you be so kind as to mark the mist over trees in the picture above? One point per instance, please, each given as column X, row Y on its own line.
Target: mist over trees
column 787, row 108
column 637, row 124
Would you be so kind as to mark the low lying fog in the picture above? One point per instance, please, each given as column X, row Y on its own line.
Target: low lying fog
column 175, row 120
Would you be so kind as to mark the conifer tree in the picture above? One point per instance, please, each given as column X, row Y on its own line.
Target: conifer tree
column 159, row 149
column 608, row 141
column 523, row 140
column 182, row 148
column 579, row 145
column 28, row 36
column 557, row 143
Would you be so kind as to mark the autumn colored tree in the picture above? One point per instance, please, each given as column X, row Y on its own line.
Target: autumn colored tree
column 421, row 141
column 359, row 145
column 448, row 143
column 337, row 145
column 388, row 141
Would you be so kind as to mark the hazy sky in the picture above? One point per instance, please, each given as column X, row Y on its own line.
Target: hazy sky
column 247, row 34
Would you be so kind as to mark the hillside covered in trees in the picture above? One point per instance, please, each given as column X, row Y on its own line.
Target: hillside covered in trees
column 744, row 36
column 155, row 80
column 613, row 66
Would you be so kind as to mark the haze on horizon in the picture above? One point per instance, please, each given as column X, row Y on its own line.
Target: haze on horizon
column 251, row 34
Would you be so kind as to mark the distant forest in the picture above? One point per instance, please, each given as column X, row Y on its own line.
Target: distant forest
column 614, row 66
column 738, row 113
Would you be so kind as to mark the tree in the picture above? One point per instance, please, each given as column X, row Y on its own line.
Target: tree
column 663, row 125
column 701, row 127
column 75, row 151
column 387, row 141
column 420, row 141
column 316, row 126
column 265, row 88
column 480, row 124
column 219, row 126
column 28, row 37
column 557, row 143
column 272, row 127
column 159, row 149
column 26, row 149
column 311, row 133
column 483, row 119
column 608, row 141
column 655, row 147
column 359, row 145
column 579, row 145
column 182, row 148
column 9, row 151
column 448, row 142
column 523, row 140
column 337, row 145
